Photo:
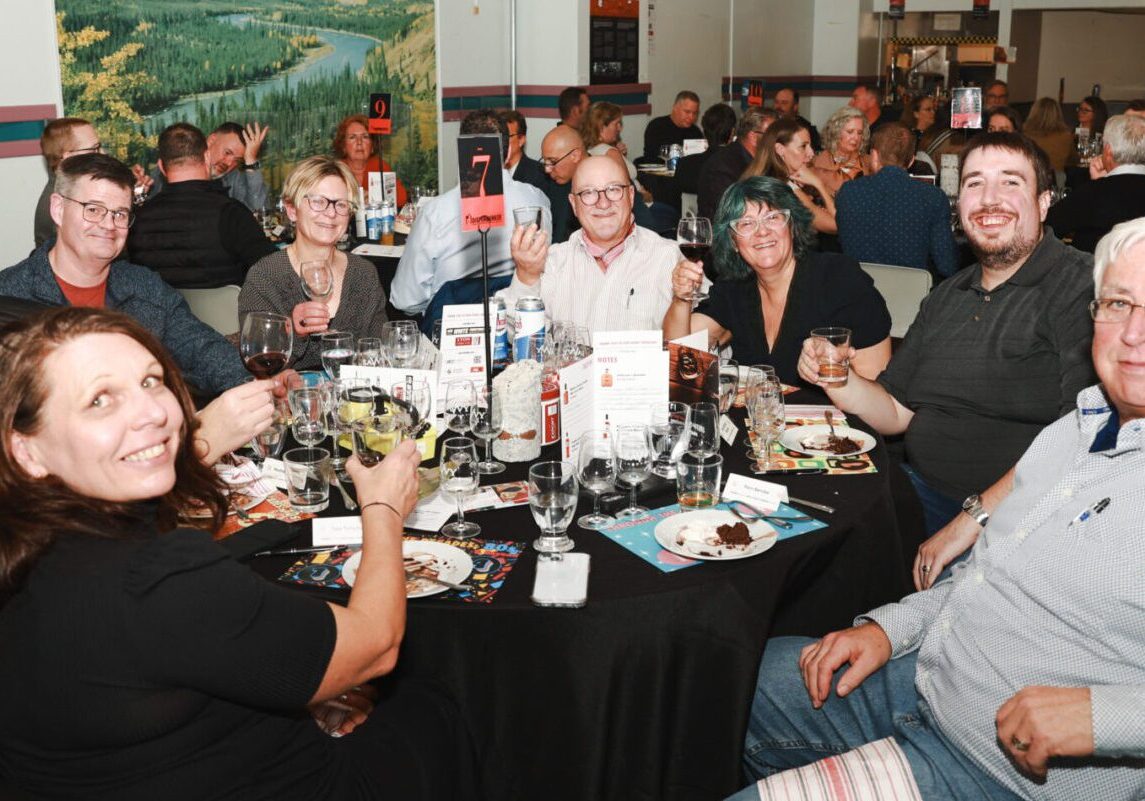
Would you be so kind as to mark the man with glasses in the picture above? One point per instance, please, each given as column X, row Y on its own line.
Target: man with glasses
column 727, row 164
column 562, row 150
column 92, row 211
column 1023, row 675
column 438, row 251
column 193, row 234
column 612, row 274
column 517, row 162
column 997, row 94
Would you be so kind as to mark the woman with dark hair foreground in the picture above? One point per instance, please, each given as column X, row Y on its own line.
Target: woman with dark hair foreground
column 772, row 290
column 142, row 662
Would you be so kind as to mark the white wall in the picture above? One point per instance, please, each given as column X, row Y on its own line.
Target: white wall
column 29, row 75
column 1087, row 47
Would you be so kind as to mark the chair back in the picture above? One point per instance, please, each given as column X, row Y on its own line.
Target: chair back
column 217, row 307
column 903, row 288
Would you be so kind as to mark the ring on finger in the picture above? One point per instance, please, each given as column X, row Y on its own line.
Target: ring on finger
column 925, row 568
column 1019, row 745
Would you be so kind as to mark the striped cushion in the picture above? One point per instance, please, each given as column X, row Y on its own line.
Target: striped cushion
column 877, row 771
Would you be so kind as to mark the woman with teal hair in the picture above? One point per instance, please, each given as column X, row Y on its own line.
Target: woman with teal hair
column 772, row 288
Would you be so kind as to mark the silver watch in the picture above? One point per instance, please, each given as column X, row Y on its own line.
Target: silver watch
column 973, row 507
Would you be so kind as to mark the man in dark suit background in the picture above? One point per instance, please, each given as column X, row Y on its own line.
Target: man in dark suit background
column 787, row 104
column 1116, row 193
column 728, row 162
column 517, row 161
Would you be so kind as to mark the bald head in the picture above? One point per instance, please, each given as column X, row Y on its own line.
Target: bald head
column 562, row 150
column 605, row 220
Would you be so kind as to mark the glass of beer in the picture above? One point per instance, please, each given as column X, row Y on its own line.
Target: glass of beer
column 832, row 346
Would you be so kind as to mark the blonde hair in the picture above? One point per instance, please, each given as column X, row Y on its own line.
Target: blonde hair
column 600, row 114
column 834, row 129
column 1045, row 117
column 308, row 172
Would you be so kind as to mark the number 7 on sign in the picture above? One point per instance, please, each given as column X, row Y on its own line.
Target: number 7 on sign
column 483, row 159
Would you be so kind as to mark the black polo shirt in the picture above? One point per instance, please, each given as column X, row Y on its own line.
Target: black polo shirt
column 985, row 371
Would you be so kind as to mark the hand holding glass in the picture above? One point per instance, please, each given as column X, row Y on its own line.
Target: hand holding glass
column 694, row 236
column 832, row 346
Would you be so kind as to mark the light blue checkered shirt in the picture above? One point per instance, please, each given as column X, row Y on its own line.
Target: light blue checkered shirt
column 1053, row 593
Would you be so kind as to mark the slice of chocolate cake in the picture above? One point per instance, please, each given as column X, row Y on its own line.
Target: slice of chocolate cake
column 735, row 535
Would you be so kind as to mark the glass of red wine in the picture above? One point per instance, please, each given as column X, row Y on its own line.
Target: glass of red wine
column 694, row 236
column 265, row 342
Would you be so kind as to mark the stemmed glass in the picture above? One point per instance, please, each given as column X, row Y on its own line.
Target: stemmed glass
column 265, row 342
column 705, row 428
column 317, row 280
column 415, row 393
column 721, row 383
column 337, row 349
column 766, row 415
column 401, row 339
column 485, row 422
column 459, row 479
column 369, row 352
column 632, row 450
column 694, row 236
column 597, row 473
column 552, row 500
column 459, row 400
column 350, row 399
column 308, row 406
column 670, row 430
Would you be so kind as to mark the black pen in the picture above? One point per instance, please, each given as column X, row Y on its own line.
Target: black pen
column 809, row 471
column 631, row 292
column 315, row 549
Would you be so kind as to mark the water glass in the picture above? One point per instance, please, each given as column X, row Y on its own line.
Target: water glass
column 552, row 500
column 705, row 428
column 401, row 339
column 698, row 477
column 528, row 215
column 831, row 346
column 485, row 423
column 308, row 478
column 369, row 353
column 337, row 349
column 765, row 412
column 459, row 480
column 632, row 451
column 308, row 414
column 669, row 427
column 374, row 437
column 597, row 474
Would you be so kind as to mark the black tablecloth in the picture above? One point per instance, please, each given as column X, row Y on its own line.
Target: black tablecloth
column 644, row 693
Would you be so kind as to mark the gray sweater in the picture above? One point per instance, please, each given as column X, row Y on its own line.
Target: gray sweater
column 273, row 286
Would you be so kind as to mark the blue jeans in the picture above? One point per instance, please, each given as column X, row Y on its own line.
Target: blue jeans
column 937, row 508
column 785, row 731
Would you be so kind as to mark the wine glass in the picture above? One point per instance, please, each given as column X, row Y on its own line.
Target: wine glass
column 670, row 431
column 459, row 479
column 337, row 349
column 368, row 352
column 308, row 415
column 401, row 339
column 350, row 399
column 705, row 428
column 632, row 450
column 317, row 279
column 665, row 154
column 415, row 394
column 485, row 422
column 265, row 343
column 694, row 236
column 597, row 474
column 459, row 399
column 766, row 415
column 552, row 500
column 374, row 437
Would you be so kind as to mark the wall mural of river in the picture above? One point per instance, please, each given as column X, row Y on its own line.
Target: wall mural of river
column 133, row 67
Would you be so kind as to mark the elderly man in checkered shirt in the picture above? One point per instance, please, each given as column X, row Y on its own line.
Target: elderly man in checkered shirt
column 1022, row 675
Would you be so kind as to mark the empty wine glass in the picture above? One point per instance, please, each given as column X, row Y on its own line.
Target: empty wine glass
column 308, row 414
column 415, row 395
column 459, row 399
column 694, row 236
column 265, row 342
column 401, row 339
column 337, row 349
column 552, row 500
column 765, row 411
column 350, row 399
column 317, row 280
column 670, row 430
column 705, row 428
column 485, row 422
column 459, row 479
column 632, row 450
column 368, row 352
column 597, row 474
column 721, row 383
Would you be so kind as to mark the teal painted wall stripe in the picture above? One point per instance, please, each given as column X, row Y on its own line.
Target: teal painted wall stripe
column 21, row 131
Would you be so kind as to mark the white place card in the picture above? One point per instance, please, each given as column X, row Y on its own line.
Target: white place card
column 728, row 429
column 693, row 146
column 385, row 251
column 763, row 495
column 274, row 471
column 337, row 530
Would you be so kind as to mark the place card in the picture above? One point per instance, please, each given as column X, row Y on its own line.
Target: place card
column 764, row 495
column 337, row 530
column 274, row 471
column 627, row 340
column 384, row 251
column 728, row 429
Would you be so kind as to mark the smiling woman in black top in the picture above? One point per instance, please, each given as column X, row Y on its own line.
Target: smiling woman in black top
column 142, row 661
column 772, row 290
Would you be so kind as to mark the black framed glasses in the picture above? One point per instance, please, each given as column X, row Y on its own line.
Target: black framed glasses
column 96, row 148
column 95, row 212
column 1112, row 310
column 773, row 221
column 320, row 203
column 551, row 162
column 590, row 197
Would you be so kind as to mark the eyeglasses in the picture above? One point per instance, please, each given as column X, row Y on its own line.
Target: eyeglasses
column 590, row 197
column 320, row 203
column 995, row 96
column 95, row 212
column 96, row 148
column 772, row 221
column 551, row 162
column 1112, row 310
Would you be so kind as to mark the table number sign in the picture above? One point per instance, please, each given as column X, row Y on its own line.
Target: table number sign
column 482, row 190
column 381, row 114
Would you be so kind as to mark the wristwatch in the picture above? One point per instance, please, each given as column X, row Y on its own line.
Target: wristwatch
column 254, row 165
column 973, row 507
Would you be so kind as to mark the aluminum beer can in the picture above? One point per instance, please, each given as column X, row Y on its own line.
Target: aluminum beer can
column 500, row 332
column 373, row 222
column 674, row 154
column 530, row 320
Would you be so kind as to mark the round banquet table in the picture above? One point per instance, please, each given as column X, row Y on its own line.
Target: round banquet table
column 644, row 693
